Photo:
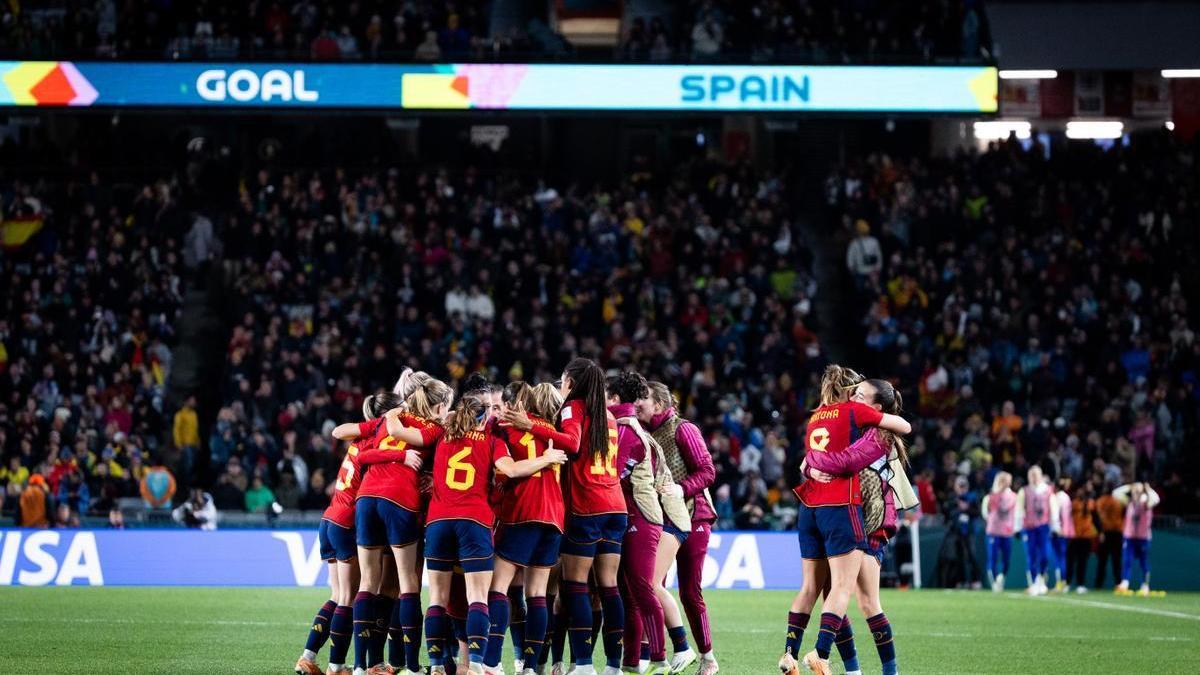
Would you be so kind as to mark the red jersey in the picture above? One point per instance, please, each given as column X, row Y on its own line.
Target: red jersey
column 832, row 428
column 341, row 508
column 592, row 482
column 537, row 498
column 462, row 478
column 390, row 478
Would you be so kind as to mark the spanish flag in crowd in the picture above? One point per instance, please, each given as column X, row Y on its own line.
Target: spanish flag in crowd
column 14, row 233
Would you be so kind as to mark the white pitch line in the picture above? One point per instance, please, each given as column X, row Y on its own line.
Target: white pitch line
column 1019, row 636
column 186, row 622
column 1125, row 608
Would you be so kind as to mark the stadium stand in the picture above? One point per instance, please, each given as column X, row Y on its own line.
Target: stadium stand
column 336, row 279
column 86, row 334
column 1036, row 307
column 391, row 30
column 700, row 281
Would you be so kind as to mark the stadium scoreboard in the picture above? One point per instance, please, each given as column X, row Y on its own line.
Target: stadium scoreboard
column 502, row 86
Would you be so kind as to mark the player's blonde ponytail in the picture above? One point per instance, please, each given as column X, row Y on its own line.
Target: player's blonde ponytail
column 409, row 381
column 544, row 401
column 427, row 397
column 837, row 382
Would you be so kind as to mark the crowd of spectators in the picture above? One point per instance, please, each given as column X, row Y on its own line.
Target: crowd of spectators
column 86, row 333
column 1036, row 307
column 812, row 31
column 396, row 30
column 423, row 30
column 698, row 278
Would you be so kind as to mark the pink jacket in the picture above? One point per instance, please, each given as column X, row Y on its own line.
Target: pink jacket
column 630, row 452
column 864, row 452
column 701, row 472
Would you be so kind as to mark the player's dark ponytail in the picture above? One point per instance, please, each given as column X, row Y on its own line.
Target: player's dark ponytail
column 888, row 398
column 587, row 385
column 375, row 405
column 468, row 414
column 475, row 383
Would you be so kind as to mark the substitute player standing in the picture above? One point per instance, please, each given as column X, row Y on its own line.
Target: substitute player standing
column 1000, row 509
column 692, row 468
column 1033, row 512
column 1140, row 500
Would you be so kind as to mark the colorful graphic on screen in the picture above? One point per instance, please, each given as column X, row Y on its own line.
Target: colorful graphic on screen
column 762, row 88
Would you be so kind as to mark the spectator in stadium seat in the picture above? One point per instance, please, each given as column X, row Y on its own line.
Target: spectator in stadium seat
column 73, row 490
column 13, row 476
column 226, row 494
column 35, row 505
column 428, row 50
column 186, row 434
column 259, row 497
column 288, row 492
column 198, row 512
column 65, row 517
column 864, row 257
column 316, row 497
column 707, row 37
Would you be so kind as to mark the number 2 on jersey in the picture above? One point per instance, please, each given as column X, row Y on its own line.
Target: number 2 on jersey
column 348, row 467
column 456, row 465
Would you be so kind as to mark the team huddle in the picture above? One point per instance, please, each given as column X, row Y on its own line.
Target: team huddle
column 551, row 511
column 555, row 511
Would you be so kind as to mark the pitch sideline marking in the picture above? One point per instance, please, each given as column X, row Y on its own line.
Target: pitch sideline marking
column 1126, row 608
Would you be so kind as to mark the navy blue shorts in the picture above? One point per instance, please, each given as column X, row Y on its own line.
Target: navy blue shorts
column 675, row 532
column 590, row 536
column 381, row 523
column 876, row 547
column 458, row 542
column 830, row 531
column 528, row 544
column 337, row 542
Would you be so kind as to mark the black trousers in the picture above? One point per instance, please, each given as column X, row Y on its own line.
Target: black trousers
column 1078, row 552
column 1109, row 549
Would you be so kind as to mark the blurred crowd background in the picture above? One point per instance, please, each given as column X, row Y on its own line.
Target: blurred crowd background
column 423, row 30
column 190, row 336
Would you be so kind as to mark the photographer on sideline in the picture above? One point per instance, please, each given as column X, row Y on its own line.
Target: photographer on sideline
column 197, row 512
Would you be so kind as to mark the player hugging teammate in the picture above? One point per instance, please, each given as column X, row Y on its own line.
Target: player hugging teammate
column 475, row 492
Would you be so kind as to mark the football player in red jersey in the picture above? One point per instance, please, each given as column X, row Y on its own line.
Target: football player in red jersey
column 388, row 515
column 596, row 516
column 531, row 518
column 895, row 492
column 830, row 517
column 459, row 531
column 335, row 621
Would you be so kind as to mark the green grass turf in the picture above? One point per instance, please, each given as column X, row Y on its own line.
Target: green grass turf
column 262, row 630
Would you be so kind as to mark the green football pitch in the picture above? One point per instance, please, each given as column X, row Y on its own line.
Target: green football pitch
column 213, row 631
